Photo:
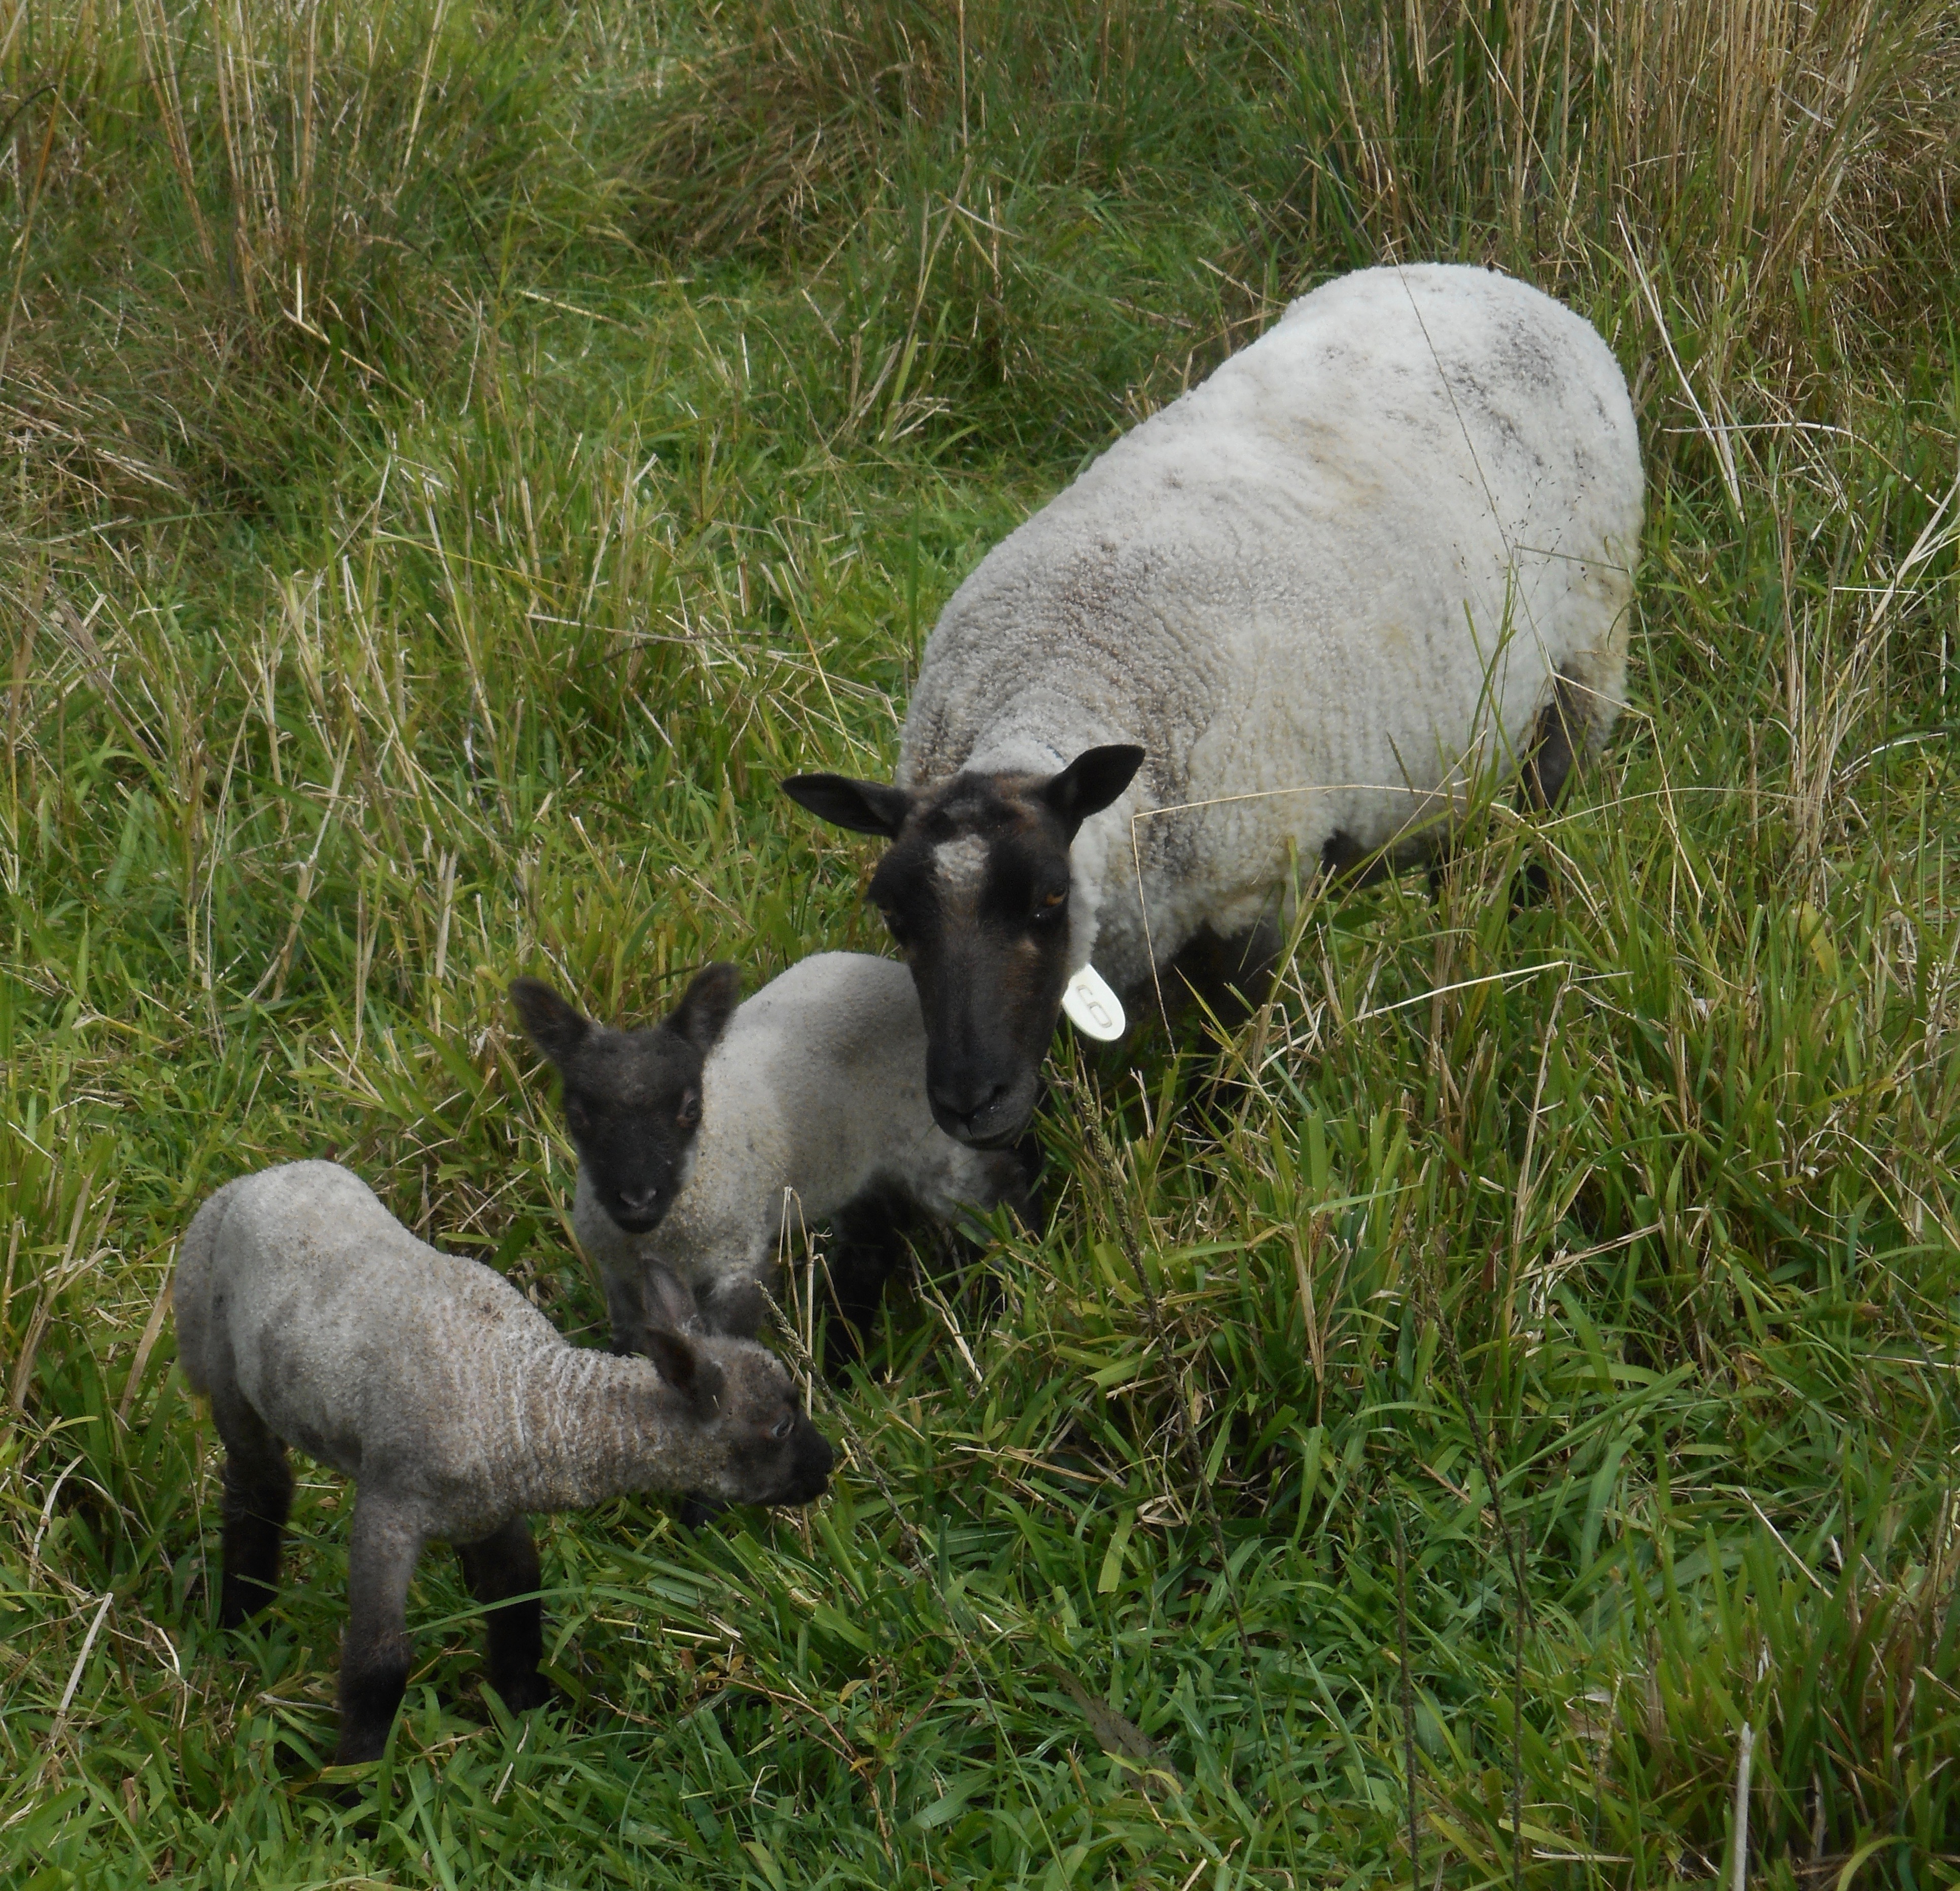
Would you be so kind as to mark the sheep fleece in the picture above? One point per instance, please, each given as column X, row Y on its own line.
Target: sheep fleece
column 817, row 1088
column 1311, row 580
column 427, row 1378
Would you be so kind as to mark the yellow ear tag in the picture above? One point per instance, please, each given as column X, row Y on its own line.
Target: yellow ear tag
column 1092, row 1008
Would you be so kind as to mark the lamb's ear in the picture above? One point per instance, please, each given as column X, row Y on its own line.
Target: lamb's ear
column 667, row 1303
column 1091, row 782
column 865, row 808
column 705, row 1007
column 687, row 1369
column 555, row 1026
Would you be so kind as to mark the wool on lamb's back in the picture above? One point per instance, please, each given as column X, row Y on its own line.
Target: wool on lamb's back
column 375, row 1353
column 1412, row 502
column 813, row 1098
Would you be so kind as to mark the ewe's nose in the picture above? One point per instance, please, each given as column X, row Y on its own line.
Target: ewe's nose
column 969, row 1112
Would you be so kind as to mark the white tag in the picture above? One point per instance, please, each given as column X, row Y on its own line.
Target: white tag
column 1092, row 1008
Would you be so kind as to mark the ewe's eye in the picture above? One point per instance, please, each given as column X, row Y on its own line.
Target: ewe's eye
column 1050, row 908
column 782, row 1427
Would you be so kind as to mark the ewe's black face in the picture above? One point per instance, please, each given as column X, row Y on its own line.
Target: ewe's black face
column 975, row 893
column 633, row 1098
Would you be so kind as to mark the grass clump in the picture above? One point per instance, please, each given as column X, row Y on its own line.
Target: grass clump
column 459, row 456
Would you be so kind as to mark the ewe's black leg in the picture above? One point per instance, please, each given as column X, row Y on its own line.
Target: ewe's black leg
column 501, row 1566
column 1230, row 977
column 1344, row 859
column 258, row 1494
column 374, row 1655
column 868, row 1247
column 1022, row 1190
column 1558, row 740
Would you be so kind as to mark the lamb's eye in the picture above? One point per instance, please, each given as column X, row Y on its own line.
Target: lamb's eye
column 690, row 1109
column 782, row 1427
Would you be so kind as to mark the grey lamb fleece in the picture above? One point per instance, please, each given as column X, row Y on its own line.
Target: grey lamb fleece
column 310, row 1315
column 813, row 1104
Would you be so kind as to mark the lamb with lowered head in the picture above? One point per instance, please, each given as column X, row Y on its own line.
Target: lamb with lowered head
column 309, row 1316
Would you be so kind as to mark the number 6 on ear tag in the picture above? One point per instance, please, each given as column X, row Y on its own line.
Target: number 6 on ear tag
column 1092, row 1008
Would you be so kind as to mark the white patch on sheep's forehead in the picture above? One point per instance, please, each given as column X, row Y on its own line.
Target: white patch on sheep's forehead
column 961, row 864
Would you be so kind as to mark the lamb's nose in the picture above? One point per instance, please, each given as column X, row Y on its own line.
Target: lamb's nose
column 638, row 1201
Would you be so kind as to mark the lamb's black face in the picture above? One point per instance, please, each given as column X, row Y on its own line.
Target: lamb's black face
column 763, row 1448
column 633, row 1098
column 975, row 893
column 780, row 1456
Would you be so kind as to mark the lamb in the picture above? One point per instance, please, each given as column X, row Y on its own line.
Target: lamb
column 633, row 1098
column 1382, row 553
column 813, row 1105
column 308, row 1315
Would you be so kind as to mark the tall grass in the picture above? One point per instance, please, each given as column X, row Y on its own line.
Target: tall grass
column 459, row 457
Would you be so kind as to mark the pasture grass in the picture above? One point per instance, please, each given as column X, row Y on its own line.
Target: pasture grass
column 459, row 456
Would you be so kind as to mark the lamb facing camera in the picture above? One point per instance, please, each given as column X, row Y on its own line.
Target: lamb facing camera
column 308, row 1315
column 633, row 1098
column 813, row 1110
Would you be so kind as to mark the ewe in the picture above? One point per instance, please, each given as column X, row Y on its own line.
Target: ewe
column 812, row 1109
column 309, row 1316
column 1385, row 550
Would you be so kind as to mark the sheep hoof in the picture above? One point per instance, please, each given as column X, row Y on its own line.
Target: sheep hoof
column 695, row 1511
column 522, row 1692
column 1532, row 883
column 241, row 1599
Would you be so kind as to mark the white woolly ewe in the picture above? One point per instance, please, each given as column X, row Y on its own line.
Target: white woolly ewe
column 812, row 1102
column 1322, row 590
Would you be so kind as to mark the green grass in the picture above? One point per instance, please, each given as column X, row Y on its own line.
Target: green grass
column 458, row 455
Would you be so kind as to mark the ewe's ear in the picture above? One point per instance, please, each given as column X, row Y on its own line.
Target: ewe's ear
column 1091, row 782
column 865, row 808
column 689, row 1370
column 555, row 1026
column 703, row 1013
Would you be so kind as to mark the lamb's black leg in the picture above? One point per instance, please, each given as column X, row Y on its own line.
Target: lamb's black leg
column 625, row 1307
column 374, row 1656
column 500, row 1567
column 258, row 1494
